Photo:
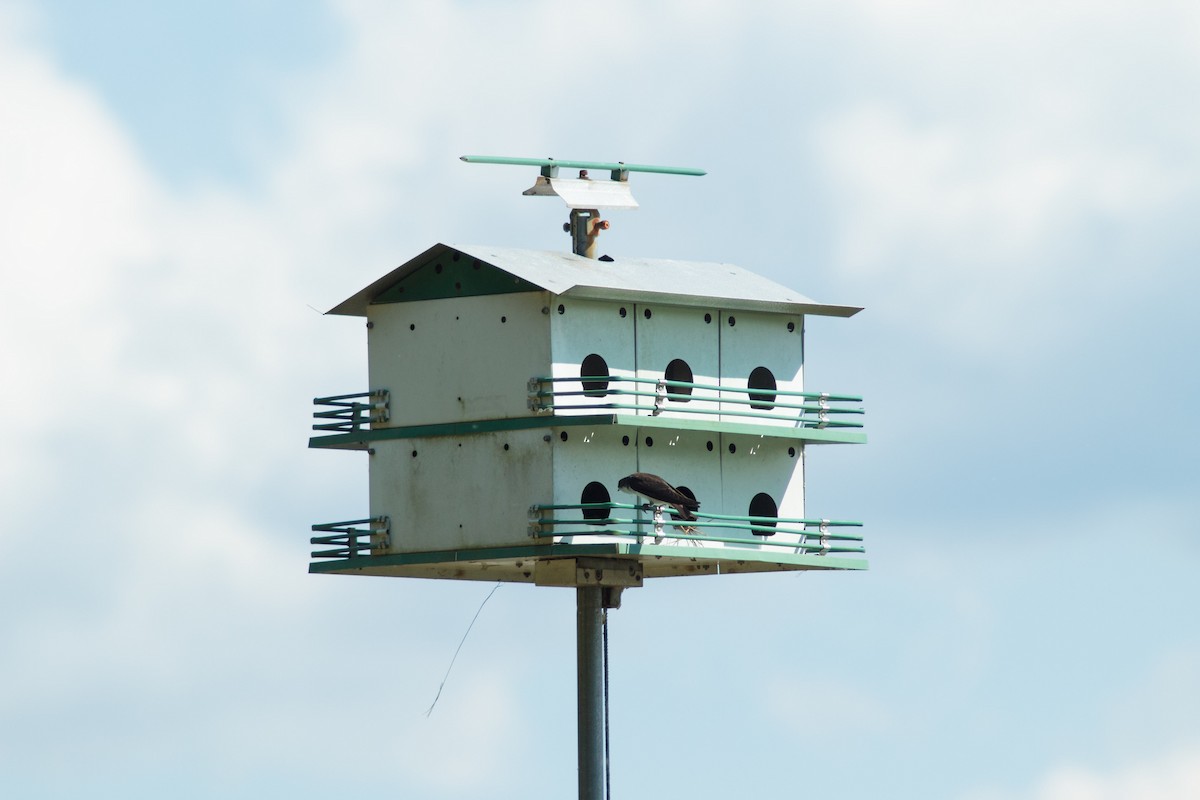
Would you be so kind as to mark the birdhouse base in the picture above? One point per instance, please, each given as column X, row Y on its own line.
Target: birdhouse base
column 622, row 564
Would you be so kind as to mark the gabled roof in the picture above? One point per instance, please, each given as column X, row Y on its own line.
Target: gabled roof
column 462, row 270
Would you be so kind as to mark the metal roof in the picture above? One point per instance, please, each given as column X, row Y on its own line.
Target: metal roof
column 670, row 282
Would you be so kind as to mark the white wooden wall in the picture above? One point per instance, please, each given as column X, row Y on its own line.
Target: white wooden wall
column 457, row 359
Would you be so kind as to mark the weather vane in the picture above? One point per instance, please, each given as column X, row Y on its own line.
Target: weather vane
column 584, row 195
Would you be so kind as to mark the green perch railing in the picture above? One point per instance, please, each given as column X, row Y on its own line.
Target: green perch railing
column 680, row 397
column 351, row 413
column 358, row 538
column 350, row 541
column 815, row 535
column 348, row 413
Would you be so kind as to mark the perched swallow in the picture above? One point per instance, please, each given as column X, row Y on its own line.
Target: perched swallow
column 659, row 492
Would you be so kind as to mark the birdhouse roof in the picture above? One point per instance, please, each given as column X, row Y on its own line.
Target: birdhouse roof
column 463, row 270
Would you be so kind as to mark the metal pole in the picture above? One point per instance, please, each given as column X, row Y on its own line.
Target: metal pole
column 584, row 227
column 583, row 242
column 590, row 655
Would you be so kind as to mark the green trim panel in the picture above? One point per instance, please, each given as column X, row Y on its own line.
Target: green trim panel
column 451, row 274
column 815, row 435
column 613, row 166
column 516, row 564
column 360, row 440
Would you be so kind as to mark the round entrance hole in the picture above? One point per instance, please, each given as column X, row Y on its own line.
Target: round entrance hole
column 595, row 492
column 761, row 378
column 689, row 493
column 596, row 368
column 763, row 506
column 678, row 370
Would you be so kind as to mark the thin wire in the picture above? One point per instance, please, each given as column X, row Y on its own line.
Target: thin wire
column 607, row 767
column 460, row 644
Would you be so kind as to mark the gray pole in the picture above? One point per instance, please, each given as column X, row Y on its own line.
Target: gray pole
column 584, row 227
column 590, row 655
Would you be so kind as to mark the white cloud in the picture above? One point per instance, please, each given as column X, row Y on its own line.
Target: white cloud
column 1171, row 775
column 159, row 354
column 76, row 206
column 1163, row 706
column 1014, row 164
column 159, row 349
column 143, row 343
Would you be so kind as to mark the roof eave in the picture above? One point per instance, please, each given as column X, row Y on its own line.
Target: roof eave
column 731, row 303
column 356, row 304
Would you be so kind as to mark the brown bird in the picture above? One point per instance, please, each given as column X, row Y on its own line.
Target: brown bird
column 659, row 493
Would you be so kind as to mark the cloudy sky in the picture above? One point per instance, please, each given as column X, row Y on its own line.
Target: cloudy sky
column 1011, row 191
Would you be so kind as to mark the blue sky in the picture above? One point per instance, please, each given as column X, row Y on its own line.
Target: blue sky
column 1010, row 191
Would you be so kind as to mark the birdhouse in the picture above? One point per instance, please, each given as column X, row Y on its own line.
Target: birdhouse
column 566, row 420
column 511, row 392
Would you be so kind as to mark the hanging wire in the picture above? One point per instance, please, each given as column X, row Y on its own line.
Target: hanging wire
column 460, row 644
column 607, row 767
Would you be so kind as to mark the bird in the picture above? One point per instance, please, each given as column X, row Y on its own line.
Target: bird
column 659, row 492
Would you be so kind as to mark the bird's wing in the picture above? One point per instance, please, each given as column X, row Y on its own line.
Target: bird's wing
column 657, row 488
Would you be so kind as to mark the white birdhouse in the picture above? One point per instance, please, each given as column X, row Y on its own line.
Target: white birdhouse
column 512, row 390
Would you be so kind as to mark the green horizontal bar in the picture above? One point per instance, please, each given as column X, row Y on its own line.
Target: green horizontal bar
column 687, row 398
column 618, row 166
column 481, row 426
column 841, row 398
column 597, row 393
column 728, row 517
column 600, row 406
column 702, row 538
column 770, row 530
column 705, row 412
column 334, row 400
column 676, row 523
column 334, row 526
column 570, row 506
column 613, row 521
column 345, row 412
column 790, row 520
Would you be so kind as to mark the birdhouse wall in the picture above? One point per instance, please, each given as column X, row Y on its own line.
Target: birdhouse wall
column 584, row 456
column 454, row 493
column 689, row 338
column 458, row 359
column 687, row 460
column 583, row 328
column 753, row 465
column 470, row 358
column 470, row 492
column 753, row 340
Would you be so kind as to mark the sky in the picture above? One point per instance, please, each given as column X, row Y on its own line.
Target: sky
column 1010, row 190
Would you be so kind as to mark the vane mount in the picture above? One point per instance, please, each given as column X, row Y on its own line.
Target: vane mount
column 584, row 195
